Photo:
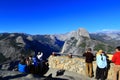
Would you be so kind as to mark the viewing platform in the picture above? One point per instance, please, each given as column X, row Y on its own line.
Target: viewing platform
column 76, row 64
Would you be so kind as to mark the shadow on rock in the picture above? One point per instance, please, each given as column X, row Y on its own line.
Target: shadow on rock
column 45, row 68
column 13, row 77
column 60, row 72
column 49, row 77
column 0, row 66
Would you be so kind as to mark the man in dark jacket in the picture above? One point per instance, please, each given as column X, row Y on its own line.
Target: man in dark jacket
column 89, row 59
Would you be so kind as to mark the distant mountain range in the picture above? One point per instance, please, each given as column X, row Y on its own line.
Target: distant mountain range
column 12, row 45
column 109, row 37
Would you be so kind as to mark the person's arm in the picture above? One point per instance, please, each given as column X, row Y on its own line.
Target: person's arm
column 114, row 58
column 84, row 54
column 93, row 57
column 41, row 54
column 98, row 60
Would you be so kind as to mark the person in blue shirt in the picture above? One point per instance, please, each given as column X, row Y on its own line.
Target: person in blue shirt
column 22, row 67
column 35, row 62
column 101, row 61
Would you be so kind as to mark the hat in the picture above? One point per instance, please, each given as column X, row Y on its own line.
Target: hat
column 39, row 53
column 89, row 49
column 100, row 51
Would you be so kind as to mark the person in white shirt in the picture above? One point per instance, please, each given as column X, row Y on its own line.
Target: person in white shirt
column 39, row 56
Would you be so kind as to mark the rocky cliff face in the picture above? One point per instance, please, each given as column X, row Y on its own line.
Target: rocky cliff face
column 12, row 45
column 79, row 32
column 80, row 40
column 9, row 47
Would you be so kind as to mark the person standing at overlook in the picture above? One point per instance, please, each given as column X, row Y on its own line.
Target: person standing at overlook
column 39, row 56
column 22, row 66
column 40, row 60
column 89, row 59
column 101, row 61
column 116, row 61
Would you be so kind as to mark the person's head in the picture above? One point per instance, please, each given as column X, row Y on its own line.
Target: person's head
column 89, row 50
column 22, row 60
column 39, row 53
column 27, row 59
column 118, row 49
column 100, row 51
column 30, row 57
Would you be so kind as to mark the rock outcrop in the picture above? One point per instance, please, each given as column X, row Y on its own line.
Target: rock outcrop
column 80, row 40
column 75, row 64
column 77, row 34
column 76, row 38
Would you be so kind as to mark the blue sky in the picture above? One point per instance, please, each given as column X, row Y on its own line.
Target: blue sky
column 58, row 16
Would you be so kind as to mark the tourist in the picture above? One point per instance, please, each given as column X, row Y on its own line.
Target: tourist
column 53, row 54
column 39, row 56
column 116, row 61
column 70, row 55
column 40, row 61
column 35, row 61
column 101, row 61
column 89, row 59
column 30, row 64
column 22, row 67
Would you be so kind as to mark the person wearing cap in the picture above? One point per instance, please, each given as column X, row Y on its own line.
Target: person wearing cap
column 116, row 61
column 101, row 62
column 39, row 57
column 88, row 60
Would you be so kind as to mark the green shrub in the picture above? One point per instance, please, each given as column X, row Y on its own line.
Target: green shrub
column 83, row 45
column 110, row 49
column 99, row 47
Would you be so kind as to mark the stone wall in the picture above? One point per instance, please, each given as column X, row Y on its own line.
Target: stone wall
column 74, row 64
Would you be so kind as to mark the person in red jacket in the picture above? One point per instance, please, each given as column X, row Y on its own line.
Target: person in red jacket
column 116, row 61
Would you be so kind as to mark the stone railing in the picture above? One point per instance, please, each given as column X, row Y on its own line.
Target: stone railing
column 74, row 64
